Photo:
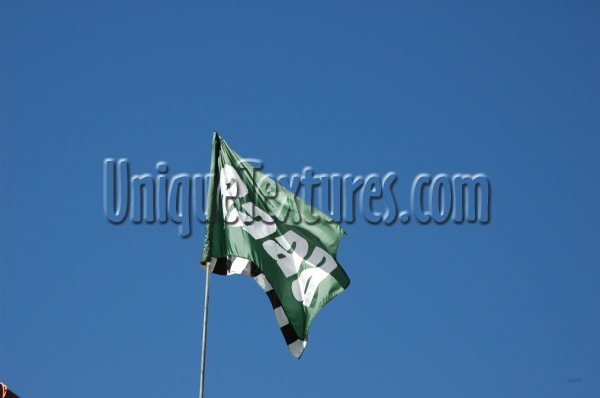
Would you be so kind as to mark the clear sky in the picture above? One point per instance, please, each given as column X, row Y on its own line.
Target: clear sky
column 508, row 89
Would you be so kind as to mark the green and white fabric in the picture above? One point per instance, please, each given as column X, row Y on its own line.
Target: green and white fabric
column 258, row 228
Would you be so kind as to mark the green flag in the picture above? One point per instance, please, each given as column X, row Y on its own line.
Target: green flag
column 258, row 228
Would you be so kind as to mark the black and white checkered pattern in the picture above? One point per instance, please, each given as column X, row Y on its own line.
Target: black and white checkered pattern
column 238, row 265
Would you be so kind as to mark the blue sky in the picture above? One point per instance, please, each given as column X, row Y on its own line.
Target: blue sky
column 509, row 89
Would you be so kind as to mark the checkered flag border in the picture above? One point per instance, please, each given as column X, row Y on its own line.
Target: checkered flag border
column 238, row 265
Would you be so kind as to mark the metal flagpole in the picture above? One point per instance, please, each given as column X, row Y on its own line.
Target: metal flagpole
column 204, row 328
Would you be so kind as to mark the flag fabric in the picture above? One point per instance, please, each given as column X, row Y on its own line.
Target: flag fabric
column 258, row 228
column 6, row 393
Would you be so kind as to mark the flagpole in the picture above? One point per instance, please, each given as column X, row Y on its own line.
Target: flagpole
column 204, row 329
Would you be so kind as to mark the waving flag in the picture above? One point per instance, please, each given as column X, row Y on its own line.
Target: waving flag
column 258, row 228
